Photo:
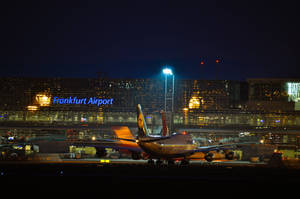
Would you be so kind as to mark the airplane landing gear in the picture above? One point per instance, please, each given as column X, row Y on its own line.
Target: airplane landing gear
column 159, row 162
column 171, row 162
column 184, row 162
column 151, row 162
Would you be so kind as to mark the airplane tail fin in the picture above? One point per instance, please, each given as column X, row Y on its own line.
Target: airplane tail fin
column 164, row 124
column 142, row 126
column 122, row 132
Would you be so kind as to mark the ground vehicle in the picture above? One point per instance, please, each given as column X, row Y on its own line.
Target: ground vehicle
column 17, row 151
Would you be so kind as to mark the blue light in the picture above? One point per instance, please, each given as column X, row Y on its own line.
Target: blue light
column 4, row 116
column 75, row 100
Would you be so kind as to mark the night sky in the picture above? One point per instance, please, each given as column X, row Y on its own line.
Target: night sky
column 132, row 39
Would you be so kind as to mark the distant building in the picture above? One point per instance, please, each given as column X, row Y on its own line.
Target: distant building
column 277, row 95
column 99, row 102
column 216, row 95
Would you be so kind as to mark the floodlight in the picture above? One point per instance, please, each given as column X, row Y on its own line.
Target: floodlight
column 167, row 71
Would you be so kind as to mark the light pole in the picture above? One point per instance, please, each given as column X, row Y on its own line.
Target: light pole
column 167, row 72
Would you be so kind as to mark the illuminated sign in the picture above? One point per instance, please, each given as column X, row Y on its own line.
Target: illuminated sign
column 75, row 100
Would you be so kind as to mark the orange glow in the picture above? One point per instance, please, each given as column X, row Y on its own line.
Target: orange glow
column 43, row 100
column 194, row 102
column 202, row 62
column 124, row 132
column 32, row 108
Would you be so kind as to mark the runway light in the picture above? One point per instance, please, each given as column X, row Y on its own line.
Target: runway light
column 104, row 161
column 167, row 71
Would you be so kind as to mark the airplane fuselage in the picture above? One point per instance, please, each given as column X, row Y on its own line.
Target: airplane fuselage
column 171, row 147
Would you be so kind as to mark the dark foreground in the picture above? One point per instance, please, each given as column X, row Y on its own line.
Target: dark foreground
column 98, row 178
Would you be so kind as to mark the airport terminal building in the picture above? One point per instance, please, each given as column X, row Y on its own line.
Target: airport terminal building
column 104, row 102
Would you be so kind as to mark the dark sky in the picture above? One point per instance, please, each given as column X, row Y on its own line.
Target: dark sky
column 137, row 38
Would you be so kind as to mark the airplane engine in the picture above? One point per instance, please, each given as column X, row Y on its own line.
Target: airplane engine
column 209, row 157
column 229, row 155
column 136, row 156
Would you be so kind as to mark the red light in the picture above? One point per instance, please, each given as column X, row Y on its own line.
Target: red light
column 217, row 61
column 202, row 62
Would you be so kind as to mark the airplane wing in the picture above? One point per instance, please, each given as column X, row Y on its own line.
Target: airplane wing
column 124, row 135
column 113, row 144
column 221, row 147
column 123, row 140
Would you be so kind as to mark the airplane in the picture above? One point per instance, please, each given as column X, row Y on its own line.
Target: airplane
column 172, row 147
column 177, row 146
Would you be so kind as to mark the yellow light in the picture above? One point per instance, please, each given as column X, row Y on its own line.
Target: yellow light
column 185, row 109
column 32, row 108
column 94, row 138
column 261, row 141
column 194, row 102
column 27, row 147
column 104, row 161
column 43, row 100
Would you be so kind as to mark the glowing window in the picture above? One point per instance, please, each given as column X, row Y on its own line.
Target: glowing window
column 194, row 103
column 43, row 100
column 293, row 90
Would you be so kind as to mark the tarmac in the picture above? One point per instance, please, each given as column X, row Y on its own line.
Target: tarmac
column 89, row 175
